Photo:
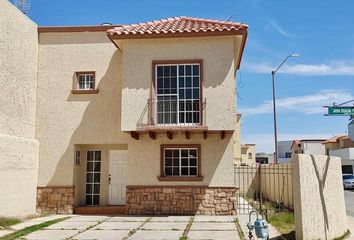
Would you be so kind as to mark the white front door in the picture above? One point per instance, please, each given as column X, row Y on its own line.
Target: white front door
column 118, row 160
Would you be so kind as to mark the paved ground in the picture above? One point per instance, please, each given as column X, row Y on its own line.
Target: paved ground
column 135, row 228
column 349, row 202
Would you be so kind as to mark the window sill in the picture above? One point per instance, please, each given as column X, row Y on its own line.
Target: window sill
column 185, row 179
column 92, row 91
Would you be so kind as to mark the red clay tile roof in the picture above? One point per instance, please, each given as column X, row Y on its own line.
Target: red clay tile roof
column 296, row 142
column 177, row 26
column 335, row 139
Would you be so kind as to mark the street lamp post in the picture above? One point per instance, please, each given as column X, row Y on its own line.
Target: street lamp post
column 274, row 107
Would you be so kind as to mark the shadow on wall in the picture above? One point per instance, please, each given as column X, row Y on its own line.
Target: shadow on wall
column 321, row 186
column 100, row 121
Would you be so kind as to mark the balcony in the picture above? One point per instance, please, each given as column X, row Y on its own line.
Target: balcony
column 167, row 114
column 171, row 113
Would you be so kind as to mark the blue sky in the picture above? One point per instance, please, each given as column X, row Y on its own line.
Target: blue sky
column 322, row 32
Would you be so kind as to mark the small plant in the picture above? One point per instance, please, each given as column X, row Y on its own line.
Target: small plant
column 251, row 194
column 7, row 222
column 28, row 230
column 239, row 229
column 284, row 221
column 344, row 236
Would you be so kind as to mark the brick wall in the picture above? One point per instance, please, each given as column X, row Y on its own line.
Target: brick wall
column 180, row 200
column 55, row 199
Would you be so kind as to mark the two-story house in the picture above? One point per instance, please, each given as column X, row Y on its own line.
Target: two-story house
column 139, row 116
column 308, row 146
column 341, row 146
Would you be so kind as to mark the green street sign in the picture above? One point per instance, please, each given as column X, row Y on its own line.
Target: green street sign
column 340, row 111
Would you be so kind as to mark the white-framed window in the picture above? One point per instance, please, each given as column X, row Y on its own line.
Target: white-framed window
column 178, row 94
column 181, row 162
column 85, row 81
column 77, row 157
column 93, row 177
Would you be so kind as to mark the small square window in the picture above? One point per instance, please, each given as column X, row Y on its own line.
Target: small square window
column 84, row 82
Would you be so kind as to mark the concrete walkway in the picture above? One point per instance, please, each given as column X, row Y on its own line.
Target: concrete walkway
column 29, row 223
column 79, row 227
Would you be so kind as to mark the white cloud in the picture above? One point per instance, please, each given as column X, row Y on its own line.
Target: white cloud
column 330, row 69
column 305, row 104
column 279, row 29
column 265, row 142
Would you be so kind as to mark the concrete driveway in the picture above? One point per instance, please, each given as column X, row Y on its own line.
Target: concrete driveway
column 141, row 228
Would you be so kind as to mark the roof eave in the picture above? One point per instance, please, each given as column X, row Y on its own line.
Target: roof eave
column 92, row 28
column 177, row 34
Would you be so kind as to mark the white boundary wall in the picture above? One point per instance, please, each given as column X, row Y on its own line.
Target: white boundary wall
column 318, row 197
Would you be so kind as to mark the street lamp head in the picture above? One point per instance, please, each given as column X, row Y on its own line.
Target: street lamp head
column 295, row 55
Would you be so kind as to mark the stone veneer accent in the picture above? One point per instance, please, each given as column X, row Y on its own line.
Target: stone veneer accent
column 56, row 199
column 180, row 200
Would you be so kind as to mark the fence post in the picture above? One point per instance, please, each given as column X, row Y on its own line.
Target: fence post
column 260, row 189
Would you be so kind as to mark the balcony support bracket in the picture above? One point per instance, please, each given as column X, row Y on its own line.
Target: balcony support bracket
column 188, row 135
column 152, row 135
column 134, row 135
column 205, row 133
column 169, row 135
column 222, row 136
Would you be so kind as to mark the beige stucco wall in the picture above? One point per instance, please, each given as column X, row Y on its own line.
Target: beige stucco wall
column 216, row 159
column 65, row 119
column 237, row 139
column 318, row 188
column 217, row 54
column 144, row 163
column 18, row 147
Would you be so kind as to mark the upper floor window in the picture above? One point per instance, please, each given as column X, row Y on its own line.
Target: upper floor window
column 178, row 95
column 288, row 155
column 84, row 82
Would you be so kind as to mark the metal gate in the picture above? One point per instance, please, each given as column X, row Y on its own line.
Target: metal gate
column 264, row 188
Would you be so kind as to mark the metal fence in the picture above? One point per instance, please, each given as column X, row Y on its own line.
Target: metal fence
column 264, row 187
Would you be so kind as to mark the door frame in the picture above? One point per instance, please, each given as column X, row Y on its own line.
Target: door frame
column 109, row 171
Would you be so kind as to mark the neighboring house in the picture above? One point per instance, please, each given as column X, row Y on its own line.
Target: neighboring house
column 141, row 116
column 248, row 152
column 308, row 146
column 284, row 151
column 264, row 158
column 341, row 146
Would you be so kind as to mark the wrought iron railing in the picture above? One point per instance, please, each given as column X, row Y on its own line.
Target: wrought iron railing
column 168, row 111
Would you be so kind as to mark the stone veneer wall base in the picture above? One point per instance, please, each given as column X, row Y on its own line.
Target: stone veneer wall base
column 180, row 200
column 55, row 199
